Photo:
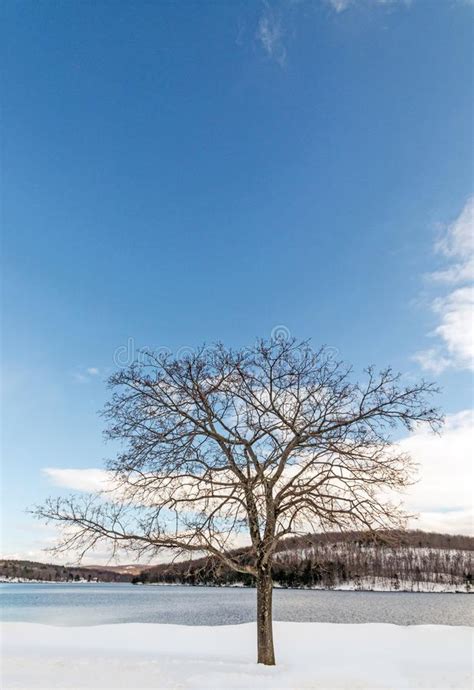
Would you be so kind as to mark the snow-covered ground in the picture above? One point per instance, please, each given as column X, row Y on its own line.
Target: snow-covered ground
column 380, row 584
column 25, row 580
column 309, row 655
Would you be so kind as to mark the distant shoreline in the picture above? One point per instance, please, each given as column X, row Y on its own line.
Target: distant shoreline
column 434, row 588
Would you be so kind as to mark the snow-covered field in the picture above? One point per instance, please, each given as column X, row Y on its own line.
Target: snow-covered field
column 309, row 655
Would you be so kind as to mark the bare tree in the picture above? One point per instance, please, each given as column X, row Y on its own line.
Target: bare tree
column 264, row 442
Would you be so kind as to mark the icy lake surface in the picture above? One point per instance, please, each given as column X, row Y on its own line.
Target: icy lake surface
column 97, row 604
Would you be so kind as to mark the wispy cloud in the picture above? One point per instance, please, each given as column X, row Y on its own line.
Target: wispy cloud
column 457, row 246
column 85, row 375
column 275, row 28
column 270, row 35
column 341, row 5
column 454, row 333
column 79, row 378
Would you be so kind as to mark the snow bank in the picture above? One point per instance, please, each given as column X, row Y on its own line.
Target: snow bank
column 309, row 655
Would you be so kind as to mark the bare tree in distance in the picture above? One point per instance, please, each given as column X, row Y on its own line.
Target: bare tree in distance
column 265, row 442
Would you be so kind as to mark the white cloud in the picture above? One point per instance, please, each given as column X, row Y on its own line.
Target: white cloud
column 93, row 371
column 448, row 522
column 432, row 360
column 92, row 479
column 456, row 327
column 443, row 496
column 97, row 556
column 457, row 244
column 455, row 310
column 270, row 35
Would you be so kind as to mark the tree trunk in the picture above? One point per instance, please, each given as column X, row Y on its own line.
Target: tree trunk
column 266, row 654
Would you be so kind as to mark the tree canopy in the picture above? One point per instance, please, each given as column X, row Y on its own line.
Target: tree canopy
column 226, row 446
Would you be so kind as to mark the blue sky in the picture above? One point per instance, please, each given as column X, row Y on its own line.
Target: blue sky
column 175, row 173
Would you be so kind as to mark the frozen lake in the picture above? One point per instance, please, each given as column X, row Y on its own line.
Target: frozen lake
column 98, row 604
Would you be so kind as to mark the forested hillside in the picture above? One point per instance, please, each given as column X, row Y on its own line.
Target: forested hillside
column 48, row 572
column 411, row 561
column 354, row 560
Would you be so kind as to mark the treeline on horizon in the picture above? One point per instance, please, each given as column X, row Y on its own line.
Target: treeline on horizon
column 334, row 559
column 48, row 572
column 314, row 560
